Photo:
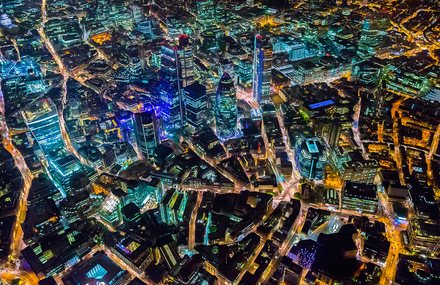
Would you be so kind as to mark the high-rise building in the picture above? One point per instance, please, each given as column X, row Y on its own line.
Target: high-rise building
column 185, row 55
column 196, row 102
column 42, row 120
column 262, row 69
column 206, row 13
column 62, row 169
column 177, row 72
column 373, row 34
column 310, row 158
column 334, row 133
column 245, row 72
column 172, row 107
column 226, row 108
column 146, row 131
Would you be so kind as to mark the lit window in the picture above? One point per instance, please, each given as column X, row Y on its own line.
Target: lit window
column 97, row 272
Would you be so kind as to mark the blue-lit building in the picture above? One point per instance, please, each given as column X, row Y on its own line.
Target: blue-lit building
column 172, row 106
column 311, row 159
column 226, row 108
column 42, row 120
column 146, row 131
column 262, row 69
column 177, row 72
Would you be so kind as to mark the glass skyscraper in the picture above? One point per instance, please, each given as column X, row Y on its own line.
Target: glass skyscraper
column 226, row 108
column 177, row 72
column 147, row 137
column 43, row 122
column 196, row 102
column 172, row 106
column 186, row 61
column 262, row 69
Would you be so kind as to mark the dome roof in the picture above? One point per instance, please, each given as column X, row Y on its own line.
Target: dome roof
column 226, row 83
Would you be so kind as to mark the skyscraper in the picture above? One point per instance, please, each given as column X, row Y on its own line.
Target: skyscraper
column 170, row 88
column 196, row 102
column 206, row 13
column 42, row 120
column 177, row 72
column 226, row 108
column 146, row 130
column 262, row 69
column 185, row 57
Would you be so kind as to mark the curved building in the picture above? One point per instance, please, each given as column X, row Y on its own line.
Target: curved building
column 146, row 131
column 226, row 108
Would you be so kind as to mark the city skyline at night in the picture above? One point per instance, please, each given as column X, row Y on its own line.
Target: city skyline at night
column 239, row 142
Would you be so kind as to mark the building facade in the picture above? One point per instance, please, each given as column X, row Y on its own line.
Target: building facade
column 262, row 69
column 172, row 106
column 147, row 134
column 226, row 108
column 196, row 104
column 43, row 122
column 311, row 159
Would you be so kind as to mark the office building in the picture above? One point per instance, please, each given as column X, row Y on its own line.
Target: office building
column 311, row 159
column 334, row 132
column 351, row 165
column 196, row 104
column 186, row 61
column 360, row 197
column 42, row 120
column 226, row 108
column 98, row 268
column 424, row 235
column 262, row 69
column 172, row 106
column 359, row 169
column 245, row 72
column 63, row 169
column 206, row 13
column 177, row 72
column 373, row 34
column 147, row 133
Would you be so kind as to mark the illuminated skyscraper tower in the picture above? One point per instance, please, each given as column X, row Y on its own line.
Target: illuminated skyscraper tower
column 172, row 107
column 42, row 120
column 262, row 69
column 146, row 130
column 185, row 56
column 226, row 108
